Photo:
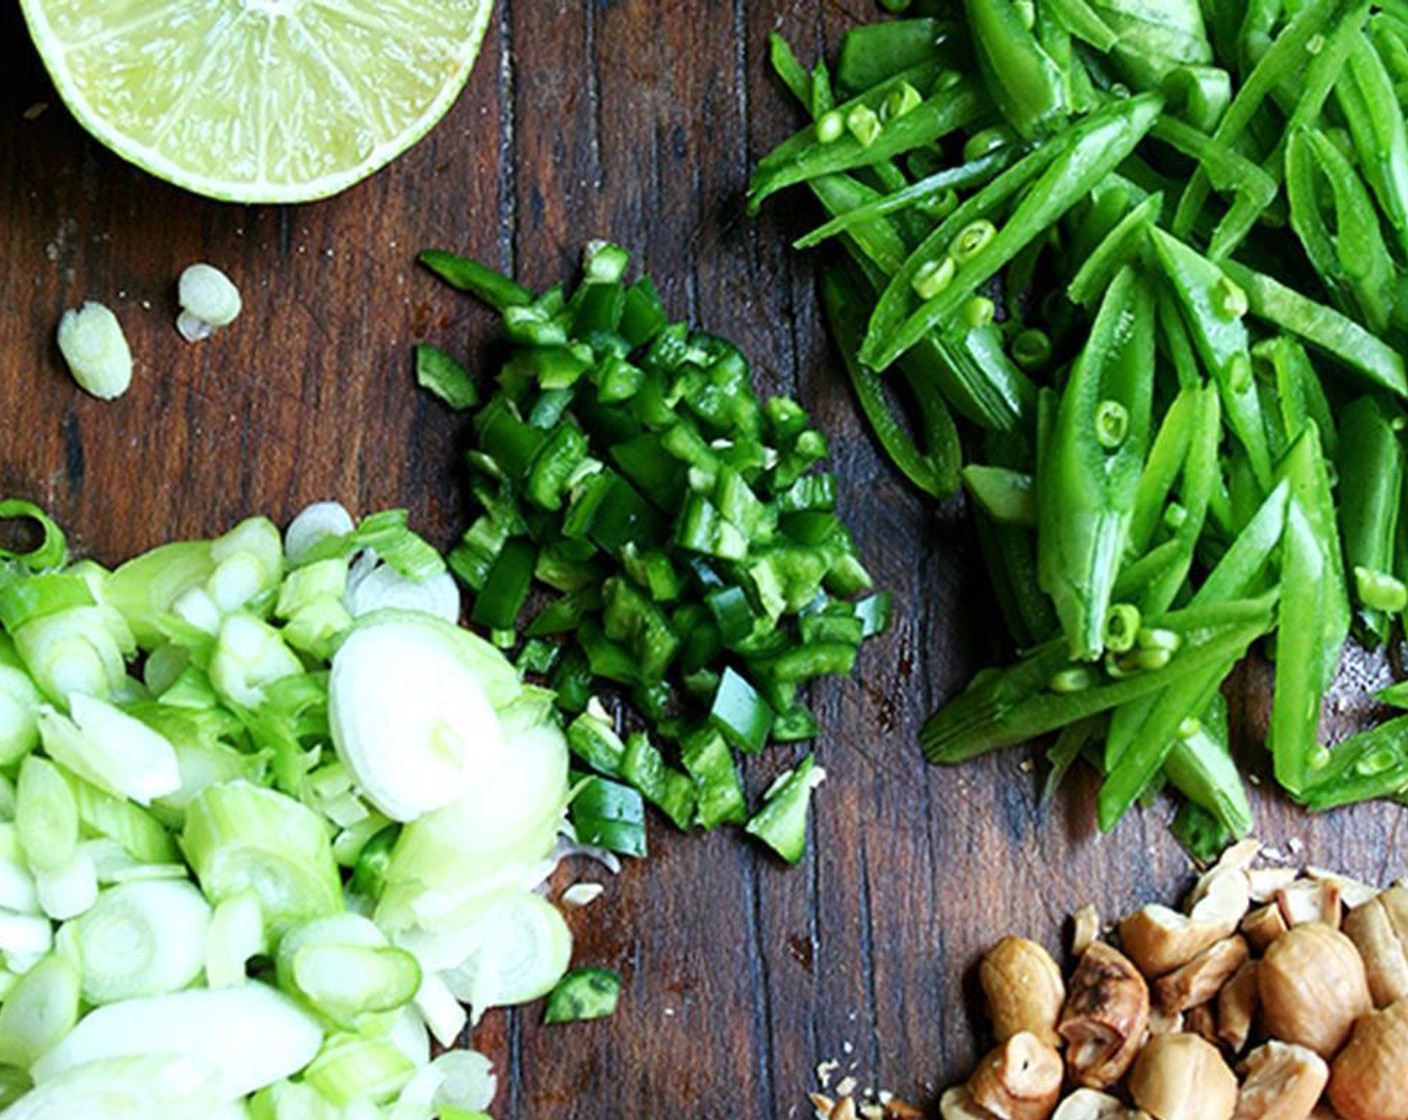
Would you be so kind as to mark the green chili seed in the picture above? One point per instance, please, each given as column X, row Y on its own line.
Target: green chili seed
column 1319, row 758
column 978, row 312
column 946, row 80
column 971, row 240
column 1147, row 660
column 933, row 277
column 939, row 206
column 1075, row 679
column 1175, row 516
column 1379, row 591
column 989, row 140
column 830, row 127
column 1026, row 12
column 1375, row 763
column 1121, row 627
column 1155, row 637
column 1239, row 373
column 864, row 124
column 1031, row 349
column 1230, row 299
column 1111, row 424
column 1189, row 727
column 899, row 102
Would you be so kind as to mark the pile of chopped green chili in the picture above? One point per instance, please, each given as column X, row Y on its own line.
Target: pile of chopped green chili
column 1133, row 275
column 683, row 540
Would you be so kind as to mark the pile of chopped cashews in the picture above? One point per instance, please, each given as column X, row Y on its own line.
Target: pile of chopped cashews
column 1274, row 994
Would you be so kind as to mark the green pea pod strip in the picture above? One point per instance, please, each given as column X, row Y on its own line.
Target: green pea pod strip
column 971, row 173
column 1154, row 36
column 1088, row 472
column 875, row 52
column 1200, row 766
column 1285, row 58
column 1353, row 260
column 1299, row 393
column 1167, row 455
column 1378, row 363
column 806, row 155
column 1006, row 496
column 1372, row 764
column 1370, row 107
column 1024, row 82
column 933, row 470
column 1198, row 478
column 1370, row 489
column 1119, row 247
column 1071, row 164
column 1313, row 617
column 1207, row 301
column 1003, row 708
column 1144, row 732
column 789, row 70
column 1155, row 737
column 1009, row 556
column 1084, row 22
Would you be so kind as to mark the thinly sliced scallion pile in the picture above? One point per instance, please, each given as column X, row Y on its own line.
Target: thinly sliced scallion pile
column 267, row 814
column 1195, row 220
column 682, row 537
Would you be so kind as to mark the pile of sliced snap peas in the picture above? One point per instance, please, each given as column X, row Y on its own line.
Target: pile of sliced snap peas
column 1133, row 274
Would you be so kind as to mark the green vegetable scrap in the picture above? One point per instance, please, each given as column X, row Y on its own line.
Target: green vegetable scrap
column 1135, row 286
column 646, row 525
column 264, row 784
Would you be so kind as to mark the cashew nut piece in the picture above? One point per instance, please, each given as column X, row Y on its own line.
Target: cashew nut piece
column 1105, row 1017
column 1280, row 1082
column 1024, row 989
column 1379, row 929
column 1019, row 1080
column 1312, row 987
column 1183, row 1077
column 1369, row 1078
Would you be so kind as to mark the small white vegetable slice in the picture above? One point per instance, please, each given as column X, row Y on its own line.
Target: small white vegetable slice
column 236, row 934
column 384, row 587
column 138, row 1087
column 319, row 520
column 461, row 1079
column 68, row 890
column 111, row 749
column 92, row 343
column 253, row 1035
column 208, row 296
column 410, row 716
column 39, row 1011
column 239, row 836
column 142, row 939
column 525, row 950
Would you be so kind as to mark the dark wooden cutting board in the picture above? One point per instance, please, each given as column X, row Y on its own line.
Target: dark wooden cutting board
column 636, row 121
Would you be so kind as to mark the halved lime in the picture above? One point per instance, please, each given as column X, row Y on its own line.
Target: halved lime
column 259, row 100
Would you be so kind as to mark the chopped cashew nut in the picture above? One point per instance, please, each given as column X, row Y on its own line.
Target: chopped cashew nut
column 1019, row 1080
column 1369, row 1077
column 1183, row 1077
column 1198, row 981
column 1263, row 926
column 1085, row 928
column 1379, row 929
column 1236, row 1007
column 1312, row 988
column 1280, row 1082
column 1307, row 901
column 1024, row 989
column 1105, row 1017
column 1159, row 939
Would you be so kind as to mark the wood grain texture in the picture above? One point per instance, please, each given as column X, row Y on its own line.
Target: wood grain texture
column 636, row 120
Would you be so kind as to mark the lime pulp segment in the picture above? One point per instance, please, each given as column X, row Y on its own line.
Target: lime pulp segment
column 259, row 100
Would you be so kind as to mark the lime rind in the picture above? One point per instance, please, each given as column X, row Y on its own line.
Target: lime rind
column 258, row 101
